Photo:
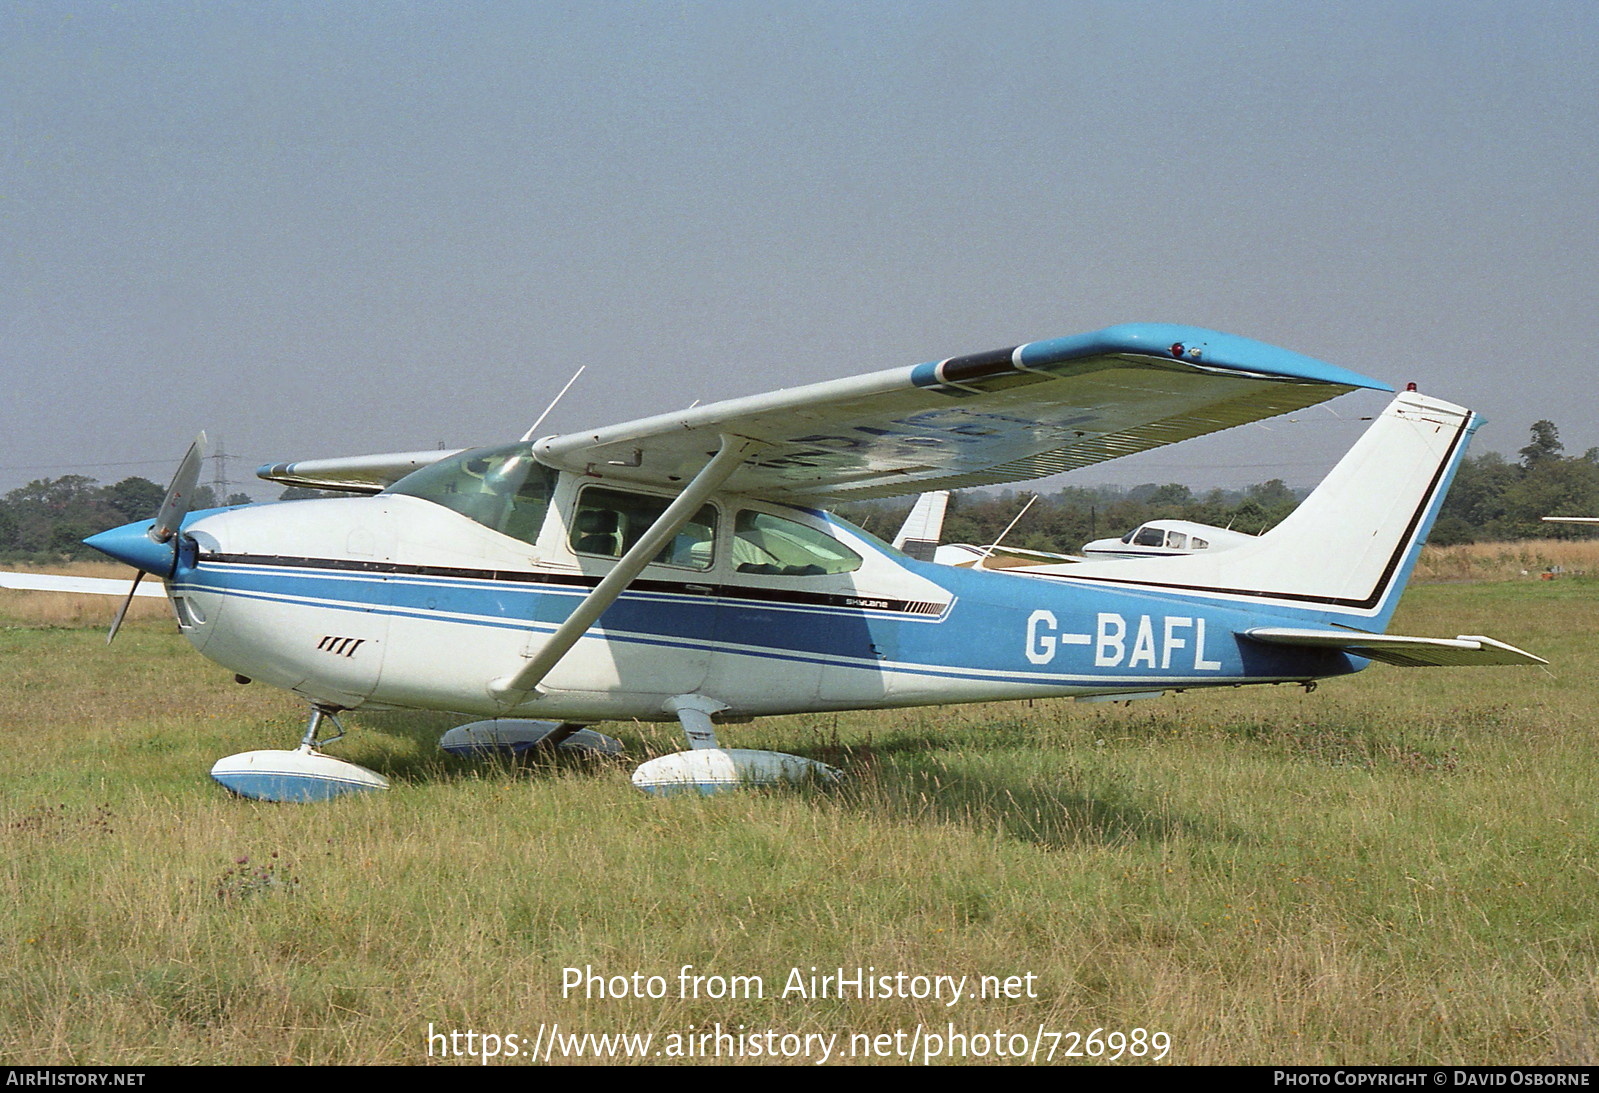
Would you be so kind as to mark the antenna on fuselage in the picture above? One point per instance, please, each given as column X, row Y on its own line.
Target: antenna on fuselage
column 995, row 544
column 533, row 430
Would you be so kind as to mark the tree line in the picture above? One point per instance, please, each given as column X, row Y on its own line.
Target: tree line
column 1063, row 521
column 1496, row 500
column 1493, row 499
column 48, row 519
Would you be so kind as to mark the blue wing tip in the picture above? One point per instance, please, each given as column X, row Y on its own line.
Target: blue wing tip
column 1197, row 345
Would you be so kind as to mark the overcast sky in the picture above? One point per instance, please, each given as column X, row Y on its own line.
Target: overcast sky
column 318, row 229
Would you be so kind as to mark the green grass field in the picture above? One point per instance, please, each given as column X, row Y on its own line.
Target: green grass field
column 1398, row 867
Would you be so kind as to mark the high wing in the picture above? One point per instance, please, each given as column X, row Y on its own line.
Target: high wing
column 91, row 586
column 352, row 474
column 1001, row 416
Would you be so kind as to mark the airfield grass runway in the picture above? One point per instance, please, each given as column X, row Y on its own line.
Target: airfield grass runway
column 1399, row 867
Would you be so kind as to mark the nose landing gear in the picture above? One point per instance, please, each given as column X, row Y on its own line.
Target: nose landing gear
column 304, row 774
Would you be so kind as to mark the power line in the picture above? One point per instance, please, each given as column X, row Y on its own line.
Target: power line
column 84, row 466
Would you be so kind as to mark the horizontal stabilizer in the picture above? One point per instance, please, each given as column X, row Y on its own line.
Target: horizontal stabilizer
column 352, row 474
column 92, row 586
column 1465, row 651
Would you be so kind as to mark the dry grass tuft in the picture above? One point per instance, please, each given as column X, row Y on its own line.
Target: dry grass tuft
column 1529, row 559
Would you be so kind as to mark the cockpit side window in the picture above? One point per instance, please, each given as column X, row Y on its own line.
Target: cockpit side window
column 608, row 522
column 773, row 546
column 505, row 489
column 1150, row 537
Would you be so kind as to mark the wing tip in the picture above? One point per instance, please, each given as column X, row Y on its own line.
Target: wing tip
column 1200, row 346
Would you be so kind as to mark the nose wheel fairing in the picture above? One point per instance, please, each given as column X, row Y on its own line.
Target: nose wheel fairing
column 298, row 776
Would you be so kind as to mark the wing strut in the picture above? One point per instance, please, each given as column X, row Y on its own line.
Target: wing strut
column 512, row 689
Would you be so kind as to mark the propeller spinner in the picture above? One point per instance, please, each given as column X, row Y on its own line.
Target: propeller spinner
column 153, row 547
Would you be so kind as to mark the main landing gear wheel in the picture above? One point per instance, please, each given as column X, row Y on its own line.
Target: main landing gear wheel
column 511, row 737
column 708, row 768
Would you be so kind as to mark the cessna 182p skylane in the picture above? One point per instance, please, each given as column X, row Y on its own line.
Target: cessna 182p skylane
column 679, row 567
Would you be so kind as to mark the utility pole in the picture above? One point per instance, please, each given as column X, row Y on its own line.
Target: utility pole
column 219, row 478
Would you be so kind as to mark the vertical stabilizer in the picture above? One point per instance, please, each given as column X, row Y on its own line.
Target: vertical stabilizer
column 1348, row 549
column 919, row 534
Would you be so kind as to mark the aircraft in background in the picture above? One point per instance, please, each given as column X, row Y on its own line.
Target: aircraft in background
column 1165, row 539
column 997, row 557
column 919, row 537
column 682, row 567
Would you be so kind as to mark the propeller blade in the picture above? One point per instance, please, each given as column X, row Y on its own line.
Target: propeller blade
column 122, row 612
column 180, row 494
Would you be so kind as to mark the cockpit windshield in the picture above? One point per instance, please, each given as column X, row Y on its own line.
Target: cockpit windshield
column 501, row 488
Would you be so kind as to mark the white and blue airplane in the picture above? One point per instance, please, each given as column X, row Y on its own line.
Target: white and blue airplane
column 683, row 567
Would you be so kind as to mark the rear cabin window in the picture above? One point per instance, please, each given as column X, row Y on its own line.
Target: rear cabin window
column 608, row 522
column 773, row 546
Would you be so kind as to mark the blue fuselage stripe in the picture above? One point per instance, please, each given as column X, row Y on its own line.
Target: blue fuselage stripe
column 997, row 628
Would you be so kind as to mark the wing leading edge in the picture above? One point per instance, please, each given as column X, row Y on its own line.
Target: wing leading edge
column 352, row 474
column 89, row 586
column 1002, row 416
